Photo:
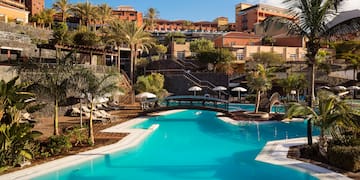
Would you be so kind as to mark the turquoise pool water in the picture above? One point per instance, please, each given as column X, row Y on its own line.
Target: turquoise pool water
column 193, row 145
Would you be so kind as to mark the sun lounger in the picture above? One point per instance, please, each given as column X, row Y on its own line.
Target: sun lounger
column 26, row 118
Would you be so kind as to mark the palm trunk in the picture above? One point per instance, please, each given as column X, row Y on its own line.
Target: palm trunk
column 132, row 73
column 91, row 130
column 257, row 101
column 312, row 85
column 119, row 63
column 56, row 117
column 309, row 132
column 322, row 143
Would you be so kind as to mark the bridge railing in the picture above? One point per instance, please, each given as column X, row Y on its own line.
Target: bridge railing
column 187, row 101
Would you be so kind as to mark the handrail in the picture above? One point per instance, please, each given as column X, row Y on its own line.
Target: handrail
column 186, row 62
column 128, row 82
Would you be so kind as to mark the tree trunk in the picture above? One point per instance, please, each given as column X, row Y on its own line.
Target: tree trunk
column 132, row 73
column 119, row 62
column 309, row 132
column 322, row 143
column 257, row 101
column 56, row 117
column 91, row 130
column 312, row 85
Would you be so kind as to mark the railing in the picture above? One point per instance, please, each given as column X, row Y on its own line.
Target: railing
column 196, row 102
column 185, row 63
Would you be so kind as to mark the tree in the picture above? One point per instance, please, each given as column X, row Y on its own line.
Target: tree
column 216, row 57
column 350, row 51
column 293, row 82
column 49, row 16
column 51, row 82
column 153, row 83
column 268, row 59
column 137, row 39
column 60, row 34
column 201, row 45
column 85, row 37
column 311, row 18
column 104, row 13
column 160, row 50
column 113, row 34
column 15, row 137
column 86, row 12
column 177, row 37
column 63, row 7
column 332, row 113
column 96, row 87
column 151, row 16
column 187, row 25
column 259, row 81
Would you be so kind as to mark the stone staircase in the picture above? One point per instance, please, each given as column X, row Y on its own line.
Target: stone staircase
column 128, row 111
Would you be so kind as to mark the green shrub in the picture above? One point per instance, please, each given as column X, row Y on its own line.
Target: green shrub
column 77, row 134
column 345, row 157
column 59, row 144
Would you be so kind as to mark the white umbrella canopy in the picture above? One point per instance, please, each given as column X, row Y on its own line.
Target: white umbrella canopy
column 194, row 89
column 353, row 88
column 340, row 88
column 145, row 95
column 324, row 87
column 239, row 90
column 219, row 88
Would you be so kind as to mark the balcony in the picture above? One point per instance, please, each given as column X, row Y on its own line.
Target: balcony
column 14, row 3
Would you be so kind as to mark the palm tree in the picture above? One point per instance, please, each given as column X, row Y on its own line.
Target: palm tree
column 104, row 13
column 113, row 34
column 311, row 18
column 86, row 12
column 137, row 39
column 259, row 81
column 151, row 15
column 332, row 113
column 96, row 87
column 63, row 6
column 49, row 16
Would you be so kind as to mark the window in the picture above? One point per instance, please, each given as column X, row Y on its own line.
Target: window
column 180, row 54
column 239, row 56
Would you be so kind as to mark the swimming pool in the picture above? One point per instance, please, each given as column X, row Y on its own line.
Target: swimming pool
column 193, row 145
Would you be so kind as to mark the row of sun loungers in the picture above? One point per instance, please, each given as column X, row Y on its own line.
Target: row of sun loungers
column 99, row 115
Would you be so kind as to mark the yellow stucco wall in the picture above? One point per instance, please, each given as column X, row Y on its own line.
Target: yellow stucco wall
column 14, row 14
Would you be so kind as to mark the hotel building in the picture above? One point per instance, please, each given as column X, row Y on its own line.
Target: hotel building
column 246, row 15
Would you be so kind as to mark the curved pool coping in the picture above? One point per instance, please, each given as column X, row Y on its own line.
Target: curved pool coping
column 274, row 152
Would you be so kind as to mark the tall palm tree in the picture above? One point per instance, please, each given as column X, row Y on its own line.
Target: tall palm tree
column 151, row 15
column 49, row 16
column 311, row 22
column 96, row 87
column 137, row 39
column 113, row 34
column 259, row 81
column 86, row 12
column 311, row 17
column 63, row 7
column 332, row 113
column 104, row 13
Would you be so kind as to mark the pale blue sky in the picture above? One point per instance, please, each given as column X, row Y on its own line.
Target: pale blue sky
column 193, row 10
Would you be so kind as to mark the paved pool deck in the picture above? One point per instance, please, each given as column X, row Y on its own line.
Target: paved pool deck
column 275, row 152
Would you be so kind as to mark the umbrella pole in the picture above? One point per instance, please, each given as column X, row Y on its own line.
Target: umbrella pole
column 194, row 93
column 239, row 96
column 219, row 94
